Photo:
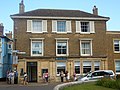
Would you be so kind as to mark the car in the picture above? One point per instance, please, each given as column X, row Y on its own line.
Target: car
column 98, row 74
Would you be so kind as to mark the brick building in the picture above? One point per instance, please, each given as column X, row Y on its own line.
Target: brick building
column 58, row 40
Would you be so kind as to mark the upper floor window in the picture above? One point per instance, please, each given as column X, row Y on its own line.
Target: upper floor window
column 37, row 48
column 61, row 47
column 61, row 26
column 37, row 26
column 116, row 45
column 85, row 27
column 86, row 47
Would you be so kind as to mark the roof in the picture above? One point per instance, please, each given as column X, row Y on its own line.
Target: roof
column 58, row 13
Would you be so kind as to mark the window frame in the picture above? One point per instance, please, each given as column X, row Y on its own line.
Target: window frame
column 77, row 65
column 96, row 66
column 114, row 45
column 58, row 74
column 87, row 67
column 118, row 66
column 63, row 40
column 88, row 30
column 65, row 26
column 41, row 31
column 90, row 42
column 41, row 41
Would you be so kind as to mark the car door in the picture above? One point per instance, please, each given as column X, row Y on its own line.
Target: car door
column 96, row 76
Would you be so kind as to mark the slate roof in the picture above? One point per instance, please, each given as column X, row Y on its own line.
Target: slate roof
column 58, row 13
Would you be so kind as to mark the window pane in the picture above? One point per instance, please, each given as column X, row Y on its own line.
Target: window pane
column 36, row 48
column 61, row 26
column 85, row 27
column 61, row 47
column 86, row 47
column 77, row 67
column 116, row 45
column 87, row 66
column 96, row 65
column 37, row 26
column 117, row 66
column 60, row 67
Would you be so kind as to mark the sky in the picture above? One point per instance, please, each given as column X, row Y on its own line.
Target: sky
column 107, row 8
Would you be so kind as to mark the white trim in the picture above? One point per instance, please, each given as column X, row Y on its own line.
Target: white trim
column 90, row 47
column 42, row 48
column 82, row 18
column 37, row 38
column 62, row 40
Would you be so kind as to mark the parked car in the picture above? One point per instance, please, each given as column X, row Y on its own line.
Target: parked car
column 96, row 75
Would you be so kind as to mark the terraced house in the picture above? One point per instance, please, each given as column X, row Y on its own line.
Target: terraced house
column 58, row 40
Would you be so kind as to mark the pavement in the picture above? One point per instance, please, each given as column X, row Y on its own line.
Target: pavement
column 30, row 86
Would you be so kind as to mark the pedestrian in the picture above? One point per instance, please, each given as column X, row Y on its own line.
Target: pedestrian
column 62, row 76
column 46, row 77
column 66, row 76
column 15, row 77
column 7, row 79
column 25, row 79
column 74, row 76
column 12, row 77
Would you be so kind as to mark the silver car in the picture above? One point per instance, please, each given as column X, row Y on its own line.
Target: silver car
column 95, row 75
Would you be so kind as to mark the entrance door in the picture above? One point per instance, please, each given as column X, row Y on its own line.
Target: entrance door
column 32, row 71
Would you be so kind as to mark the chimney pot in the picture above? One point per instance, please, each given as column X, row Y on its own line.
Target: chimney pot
column 21, row 7
column 95, row 10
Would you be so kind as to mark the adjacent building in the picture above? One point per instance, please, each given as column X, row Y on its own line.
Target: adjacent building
column 57, row 40
column 5, row 56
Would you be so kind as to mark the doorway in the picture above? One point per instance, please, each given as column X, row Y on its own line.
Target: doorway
column 32, row 71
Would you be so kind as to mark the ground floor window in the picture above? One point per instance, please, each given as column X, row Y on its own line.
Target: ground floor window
column 117, row 67
column 96, row 65
column 61, row 66
column 86, row 66
column 77, row 67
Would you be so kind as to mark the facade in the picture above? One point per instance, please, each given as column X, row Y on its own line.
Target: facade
column 5, row 56
column 61, row 40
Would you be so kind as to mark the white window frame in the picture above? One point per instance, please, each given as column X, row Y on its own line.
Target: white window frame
column 91, row 27
column 96, row 65
column 62, row 40
column 86, row 65
column 41, row 26
column 88, row 27
column 42, row 48
column 77, row 65
column 114, row 45
column 85, row 40
column 65, row 26
column 118, row 66
column 60, row 65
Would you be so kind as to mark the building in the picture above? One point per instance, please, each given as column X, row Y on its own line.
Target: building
column 5, row 56
column 62, row 40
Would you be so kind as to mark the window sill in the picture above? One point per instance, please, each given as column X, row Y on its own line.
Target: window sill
column 116, row 52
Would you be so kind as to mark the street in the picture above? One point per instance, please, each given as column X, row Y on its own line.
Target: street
column 32, row 86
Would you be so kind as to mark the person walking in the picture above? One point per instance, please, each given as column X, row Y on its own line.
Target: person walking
column 46, row 77
column 25, row 79
column 66, row 76
column 15, row 77
column 62, row 76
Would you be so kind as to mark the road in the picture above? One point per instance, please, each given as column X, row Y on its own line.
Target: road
column 29, row 87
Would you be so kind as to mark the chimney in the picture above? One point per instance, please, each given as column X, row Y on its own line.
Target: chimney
column 95, row 10
column 1, row 28
column 21, row 7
